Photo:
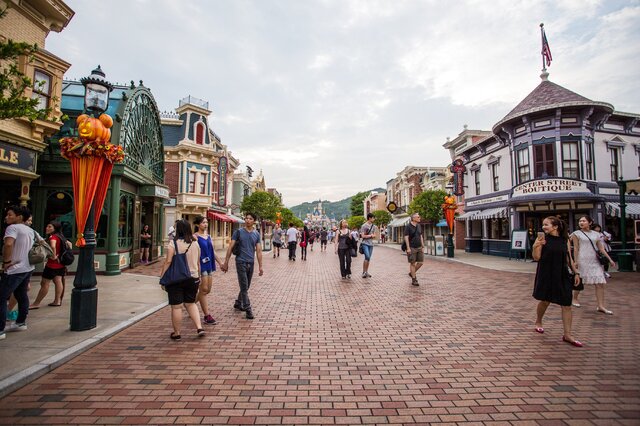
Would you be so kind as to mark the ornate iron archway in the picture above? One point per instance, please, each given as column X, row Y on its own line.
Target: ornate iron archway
column 140, row 133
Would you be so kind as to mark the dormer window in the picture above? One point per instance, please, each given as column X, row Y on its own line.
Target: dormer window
column 200, row 133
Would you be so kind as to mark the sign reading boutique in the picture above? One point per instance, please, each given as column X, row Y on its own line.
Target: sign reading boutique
column 550, row 186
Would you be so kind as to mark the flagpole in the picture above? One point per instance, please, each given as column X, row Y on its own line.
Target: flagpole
column 544, row 68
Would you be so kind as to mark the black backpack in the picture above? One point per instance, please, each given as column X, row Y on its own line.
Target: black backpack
column 236, row 247
column 66, row 256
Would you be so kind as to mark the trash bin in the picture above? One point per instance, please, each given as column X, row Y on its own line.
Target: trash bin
column 439, row 241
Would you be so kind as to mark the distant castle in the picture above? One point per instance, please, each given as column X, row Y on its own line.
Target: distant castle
column 318, row 219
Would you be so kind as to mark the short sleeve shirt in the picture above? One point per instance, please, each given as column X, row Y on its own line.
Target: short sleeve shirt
column 24, row 237
column 277, row 235
column 247, row 241
column 414, row 233
column 292, row 235
column 367, row 228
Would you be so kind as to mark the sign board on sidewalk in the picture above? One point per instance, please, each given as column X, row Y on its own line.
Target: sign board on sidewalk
column 519, row 242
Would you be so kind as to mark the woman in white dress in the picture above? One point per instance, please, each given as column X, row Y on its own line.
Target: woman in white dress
column 585, row 242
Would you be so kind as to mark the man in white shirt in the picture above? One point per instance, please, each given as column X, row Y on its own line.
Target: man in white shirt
column 18, row 240
column 292, row 241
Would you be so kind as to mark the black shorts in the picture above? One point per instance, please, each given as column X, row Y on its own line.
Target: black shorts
column 275, row 244
column 145, row 244
column 50, row 273
column 185, row 292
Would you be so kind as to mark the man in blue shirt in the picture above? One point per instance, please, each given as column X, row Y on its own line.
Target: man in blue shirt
column 249, row 241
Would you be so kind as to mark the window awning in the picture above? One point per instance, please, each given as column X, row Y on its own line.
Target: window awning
column 492, row 213
column 402, row 221
column 236, row 218
column 631, row 211
column 442, row 223
column 468, row 215
column 219, row 216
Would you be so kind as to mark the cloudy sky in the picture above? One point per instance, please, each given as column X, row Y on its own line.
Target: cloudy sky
column 333, row 97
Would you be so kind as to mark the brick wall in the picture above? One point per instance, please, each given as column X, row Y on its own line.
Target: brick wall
column 172, row 177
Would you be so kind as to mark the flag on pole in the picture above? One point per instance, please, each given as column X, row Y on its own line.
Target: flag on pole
column 546, row 51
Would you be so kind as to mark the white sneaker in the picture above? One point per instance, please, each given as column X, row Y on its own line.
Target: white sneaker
column 3, row 335
column 608, row 275
column 16, row 327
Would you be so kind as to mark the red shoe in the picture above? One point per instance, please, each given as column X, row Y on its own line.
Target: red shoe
column 575, row 343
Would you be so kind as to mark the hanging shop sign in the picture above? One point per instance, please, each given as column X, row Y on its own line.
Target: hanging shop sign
column 458, row 169
column 17, row 158
column 550, row 186
column 223, row 167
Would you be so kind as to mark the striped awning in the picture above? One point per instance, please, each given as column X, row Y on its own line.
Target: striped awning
column 219, row 216
column 401, row 221
column 468, row 215
column 632, row 210
column 492, row 213
column 236, row 218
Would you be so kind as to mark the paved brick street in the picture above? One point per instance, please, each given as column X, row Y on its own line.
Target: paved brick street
column 459, row 348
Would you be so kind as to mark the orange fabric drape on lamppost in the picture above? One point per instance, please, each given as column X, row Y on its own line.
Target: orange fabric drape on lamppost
column 101, row 190
column 86, row 173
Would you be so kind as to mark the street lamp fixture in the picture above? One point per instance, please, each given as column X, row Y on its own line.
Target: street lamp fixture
column 96, row 91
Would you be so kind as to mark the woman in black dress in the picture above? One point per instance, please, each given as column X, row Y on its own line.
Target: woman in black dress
column 553, row 282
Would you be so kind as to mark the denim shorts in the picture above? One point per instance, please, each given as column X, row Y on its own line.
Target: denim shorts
column 368, row 251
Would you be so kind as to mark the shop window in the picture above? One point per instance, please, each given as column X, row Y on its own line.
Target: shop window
column 41, row 88
column 494, row 177
column 588, row 161
column 203, row 183
column 192, row 182
column 523, row 165
column 543, row 157
column 214, row 190
column 60, row 209
column 199, row 133
column 476, row 179
column 570, row 163
column 498, row 228
column 615, row 163
column 125, row 223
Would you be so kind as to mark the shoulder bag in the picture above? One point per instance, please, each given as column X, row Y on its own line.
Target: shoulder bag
column 40, row 251
column 178, row 270
column 236, row 247
column 602, row 258
column 361, row 250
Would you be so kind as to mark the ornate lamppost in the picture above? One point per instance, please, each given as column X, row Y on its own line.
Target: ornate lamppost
column 92, row 157
column 449, row 209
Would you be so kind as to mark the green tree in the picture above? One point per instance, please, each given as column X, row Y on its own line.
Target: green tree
column 263, row 204
column 382, row 217
column 357, row 206
column 289, row 217
column 355, row 221
column 13, row 83
column 429, row 205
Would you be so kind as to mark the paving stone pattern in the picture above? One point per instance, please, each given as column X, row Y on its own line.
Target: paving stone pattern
column 458, row 348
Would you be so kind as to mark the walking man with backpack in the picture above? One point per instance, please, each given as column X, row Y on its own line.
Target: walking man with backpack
column 18, row 240
column 368, row 233
column 414, row 246
column 247, row 240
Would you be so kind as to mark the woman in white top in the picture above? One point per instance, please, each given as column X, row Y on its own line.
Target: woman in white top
column 184, row 293
column 585, row 242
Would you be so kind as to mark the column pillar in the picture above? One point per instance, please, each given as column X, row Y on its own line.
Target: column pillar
column 112, row 263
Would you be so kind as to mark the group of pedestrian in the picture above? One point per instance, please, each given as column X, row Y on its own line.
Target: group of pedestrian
column 565, row 264
column 201, row 260
column 15, row 283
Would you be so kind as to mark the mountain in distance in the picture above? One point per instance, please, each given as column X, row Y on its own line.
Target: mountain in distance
column 333, row 209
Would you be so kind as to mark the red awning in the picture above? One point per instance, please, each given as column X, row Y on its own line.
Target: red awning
column 219, row 216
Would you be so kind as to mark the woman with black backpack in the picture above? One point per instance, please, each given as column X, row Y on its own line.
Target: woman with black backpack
column 53, row 270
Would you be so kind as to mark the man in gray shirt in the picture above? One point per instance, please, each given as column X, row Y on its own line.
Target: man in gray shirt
column 249, row 241
column 367, row 234
column 18, row 240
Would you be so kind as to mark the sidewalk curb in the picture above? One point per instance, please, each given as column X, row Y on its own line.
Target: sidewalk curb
column 26, row 376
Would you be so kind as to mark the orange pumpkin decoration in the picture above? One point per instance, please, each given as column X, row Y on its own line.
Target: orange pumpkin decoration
column 94, row 129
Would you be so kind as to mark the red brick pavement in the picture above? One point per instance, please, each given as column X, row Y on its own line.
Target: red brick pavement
column 459, row 348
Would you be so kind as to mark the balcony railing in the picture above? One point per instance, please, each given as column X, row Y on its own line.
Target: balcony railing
column 194, row 101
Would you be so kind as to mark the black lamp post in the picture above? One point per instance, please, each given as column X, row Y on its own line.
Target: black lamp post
column 625, row 259
column 84, row 296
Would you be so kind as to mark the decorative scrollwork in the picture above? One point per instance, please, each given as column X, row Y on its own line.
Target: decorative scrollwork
column 141, row 135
